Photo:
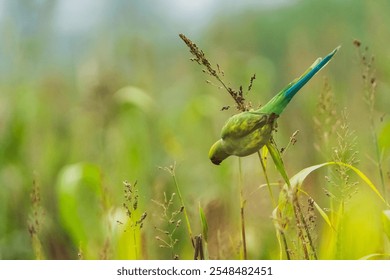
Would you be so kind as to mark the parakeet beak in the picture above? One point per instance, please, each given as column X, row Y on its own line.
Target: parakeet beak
column 217, row 153
column 215, row 161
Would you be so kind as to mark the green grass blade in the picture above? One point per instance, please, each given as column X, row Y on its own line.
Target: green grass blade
column 297, row 180
column 365, row 179
column 203, row 220
column 323, row 215
column 386, row 222
column 320, row 210
column 275, row 154
column 375, row 256
column 79, row 197
column 264, row 153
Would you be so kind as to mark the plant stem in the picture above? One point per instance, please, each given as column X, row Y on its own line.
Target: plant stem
column 242, row 214
column 266, row 179
column 304, row 236
column 280, row 232
column 378, row 157
column 285, row 245
column 135, row 244
column 184, row 209
column 299, row 223
column 305, row 226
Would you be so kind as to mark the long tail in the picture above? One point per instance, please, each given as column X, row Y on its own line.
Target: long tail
column 314, row 68
column 279, row 102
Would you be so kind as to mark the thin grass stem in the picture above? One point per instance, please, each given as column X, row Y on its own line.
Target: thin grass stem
column 184, row 209
column 280, row 233
column 242, row 212
column 267, row 179
column 306, row 227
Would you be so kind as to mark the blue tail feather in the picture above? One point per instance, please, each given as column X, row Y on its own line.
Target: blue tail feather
column 290, row 92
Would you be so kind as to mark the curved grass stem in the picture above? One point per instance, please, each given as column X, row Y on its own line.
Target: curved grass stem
column 171, row 170
column 184, row 210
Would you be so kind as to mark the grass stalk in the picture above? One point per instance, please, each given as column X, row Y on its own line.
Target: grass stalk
column 306, row 228
column 135, row 219
column 184, row 210
column 35, row 221
column 280, row 234
column 167, row 238
column 370, row 86
column 205, row 230
column 242, row 212
column 263, row 166
column 302, row 227
column 171, row 170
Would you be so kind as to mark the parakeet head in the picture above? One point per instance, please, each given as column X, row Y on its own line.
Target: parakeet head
column 217, row 153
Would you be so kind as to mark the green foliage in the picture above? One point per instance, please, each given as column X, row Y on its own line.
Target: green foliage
column 130, row 240
column 384, row 138
column 203, row 220
column 386, row 222
column 79, row 195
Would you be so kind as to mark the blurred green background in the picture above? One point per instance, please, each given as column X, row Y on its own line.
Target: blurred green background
column 93, row 93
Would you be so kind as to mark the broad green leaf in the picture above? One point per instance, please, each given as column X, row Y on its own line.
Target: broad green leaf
column 80, row 206
column 297, row 180
column 386, row 222
column 129, row 242
column 136, row 97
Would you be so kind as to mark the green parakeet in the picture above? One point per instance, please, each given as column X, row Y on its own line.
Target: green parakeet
column 247, row 132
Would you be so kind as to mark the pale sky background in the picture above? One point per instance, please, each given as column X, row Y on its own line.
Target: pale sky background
column 76, row 15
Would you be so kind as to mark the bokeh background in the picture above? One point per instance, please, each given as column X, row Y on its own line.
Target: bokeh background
column 93, row 93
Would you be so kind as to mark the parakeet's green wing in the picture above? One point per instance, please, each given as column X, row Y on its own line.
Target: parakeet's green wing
column 243, row 124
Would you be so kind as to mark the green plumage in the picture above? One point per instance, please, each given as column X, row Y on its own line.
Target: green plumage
column 245, row 133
